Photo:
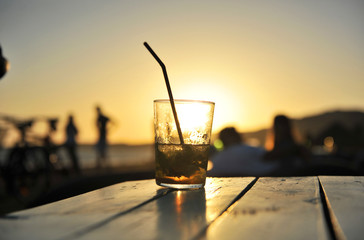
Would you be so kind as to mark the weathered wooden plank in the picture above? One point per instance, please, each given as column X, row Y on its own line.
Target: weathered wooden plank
column 345, row 197
column 274, row 208
column 177, row 215
column 68, row 216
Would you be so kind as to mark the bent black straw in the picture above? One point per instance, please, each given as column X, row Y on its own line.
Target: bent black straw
column 169, row 90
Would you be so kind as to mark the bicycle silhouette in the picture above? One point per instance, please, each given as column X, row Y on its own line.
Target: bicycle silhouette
column 29, row 164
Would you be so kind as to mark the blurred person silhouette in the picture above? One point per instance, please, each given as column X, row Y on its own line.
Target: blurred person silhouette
column 283, row 147
column 52, row 128
column 51, row 148
column 239, row 159
column 71, row 143
column 4, row 64
column 102, row 123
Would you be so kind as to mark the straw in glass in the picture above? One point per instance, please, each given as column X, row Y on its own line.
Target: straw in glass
column 169, row 90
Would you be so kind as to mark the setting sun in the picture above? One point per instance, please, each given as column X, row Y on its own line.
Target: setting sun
column 191, row 114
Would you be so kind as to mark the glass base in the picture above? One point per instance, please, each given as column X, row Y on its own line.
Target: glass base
column 181, row 186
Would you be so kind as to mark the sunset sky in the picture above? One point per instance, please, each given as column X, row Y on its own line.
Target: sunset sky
column 254, row 59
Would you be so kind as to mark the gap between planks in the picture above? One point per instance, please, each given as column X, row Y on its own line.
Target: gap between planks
column 240, row 195
column 334, row 228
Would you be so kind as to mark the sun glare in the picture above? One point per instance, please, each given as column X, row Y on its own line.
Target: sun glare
column 195, row 118
column 228, row 110
column 191, row 114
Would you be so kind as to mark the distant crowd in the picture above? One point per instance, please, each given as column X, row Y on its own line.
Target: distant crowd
column 27, row 139
column 101, row 146
column 284, row 156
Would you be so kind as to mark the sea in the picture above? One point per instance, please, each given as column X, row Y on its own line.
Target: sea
column 119, row 156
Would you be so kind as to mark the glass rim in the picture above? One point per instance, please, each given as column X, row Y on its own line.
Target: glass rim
column 183, row 100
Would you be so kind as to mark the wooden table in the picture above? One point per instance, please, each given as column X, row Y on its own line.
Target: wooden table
column 324, row 207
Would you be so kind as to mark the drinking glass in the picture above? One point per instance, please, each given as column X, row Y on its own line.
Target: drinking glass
column 182, row 166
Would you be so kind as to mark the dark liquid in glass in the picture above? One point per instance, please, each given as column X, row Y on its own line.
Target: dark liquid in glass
column 181, row 164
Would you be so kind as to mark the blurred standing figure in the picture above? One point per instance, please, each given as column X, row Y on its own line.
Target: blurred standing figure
column 71, row 144
column 239, row 159
column 285, row 149
column 101, row 145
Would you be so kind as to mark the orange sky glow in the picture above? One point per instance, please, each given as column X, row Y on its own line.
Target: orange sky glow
column 254, row 59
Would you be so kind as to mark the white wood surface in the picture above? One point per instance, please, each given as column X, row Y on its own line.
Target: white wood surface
column 275, row 208
column 63, row 218
column 178, row 215
column 346, row 203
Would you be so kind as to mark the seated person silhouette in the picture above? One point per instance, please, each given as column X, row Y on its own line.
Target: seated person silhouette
column 239, row 159
column 290, row 155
